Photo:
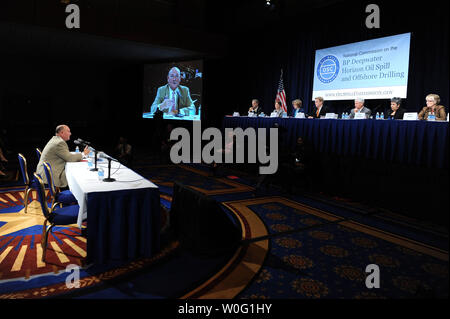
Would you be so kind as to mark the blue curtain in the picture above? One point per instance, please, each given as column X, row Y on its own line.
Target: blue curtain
column 252, row 68
column 123, row 225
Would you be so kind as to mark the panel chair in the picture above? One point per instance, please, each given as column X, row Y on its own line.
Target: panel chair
column 54, row 216
column 65, row 198
column 29, row 185
column 38, row 153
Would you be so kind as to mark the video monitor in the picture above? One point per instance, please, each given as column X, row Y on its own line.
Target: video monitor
column 173, row 90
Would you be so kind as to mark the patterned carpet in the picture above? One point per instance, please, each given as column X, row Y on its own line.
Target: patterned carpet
column 328, row 260
column 293, row 248
column 22, row 272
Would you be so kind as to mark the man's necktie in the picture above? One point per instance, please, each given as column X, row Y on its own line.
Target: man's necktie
column 174, row 107
column 317, row 113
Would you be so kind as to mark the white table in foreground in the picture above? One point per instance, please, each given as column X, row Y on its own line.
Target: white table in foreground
column 82, row 181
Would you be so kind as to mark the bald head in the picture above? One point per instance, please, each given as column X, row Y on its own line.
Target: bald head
column 63, row 131
column 174, row 78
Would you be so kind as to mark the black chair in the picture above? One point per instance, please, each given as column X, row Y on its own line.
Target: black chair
column 54, row 216
column 29, row 185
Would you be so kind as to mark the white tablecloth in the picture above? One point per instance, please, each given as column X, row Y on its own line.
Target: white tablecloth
column 82, row 181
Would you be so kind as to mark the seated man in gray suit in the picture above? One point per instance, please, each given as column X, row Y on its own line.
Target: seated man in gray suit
column 173, row 98
column 56, row 152
column 360, row 108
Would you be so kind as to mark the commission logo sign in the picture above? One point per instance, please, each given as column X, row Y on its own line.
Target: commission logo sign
column 328, row 69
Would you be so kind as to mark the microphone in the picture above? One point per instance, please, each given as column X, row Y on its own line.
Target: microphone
column 107, row 157
column 82, row 143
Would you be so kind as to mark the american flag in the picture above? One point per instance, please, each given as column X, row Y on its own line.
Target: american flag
column 281, row 95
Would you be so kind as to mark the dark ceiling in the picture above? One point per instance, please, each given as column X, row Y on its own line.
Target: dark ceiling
column 60, row 45
column 137, row 30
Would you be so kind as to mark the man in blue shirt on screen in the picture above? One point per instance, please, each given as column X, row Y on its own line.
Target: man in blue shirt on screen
column 173, row 98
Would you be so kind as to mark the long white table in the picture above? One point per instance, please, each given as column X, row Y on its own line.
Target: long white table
column 82, row 181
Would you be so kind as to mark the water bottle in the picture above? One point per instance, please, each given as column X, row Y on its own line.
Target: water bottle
column 431, row 117
column 378, row 116
column 77, row 149
column 381, row 116
column 101, row 174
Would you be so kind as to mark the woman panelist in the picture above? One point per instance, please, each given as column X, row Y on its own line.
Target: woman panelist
column 433, row 108
column 396, row 111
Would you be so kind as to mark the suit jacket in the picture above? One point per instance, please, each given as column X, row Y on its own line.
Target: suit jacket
column 440, row 113
column 323, row 111
column 279, row 112
column 296, row 111
column 257, row 111
column 57, row 153
column 364, row 110
column 183, row 100
column 397, row 116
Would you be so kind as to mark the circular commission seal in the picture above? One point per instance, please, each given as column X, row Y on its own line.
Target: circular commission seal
column 328, row 69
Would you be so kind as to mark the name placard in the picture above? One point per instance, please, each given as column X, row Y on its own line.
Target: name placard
column 236, row 114
column 411, row 116
column 300, row 115
column 331, row 116
column 273, row 114
column 251, row 114
column 360, row 116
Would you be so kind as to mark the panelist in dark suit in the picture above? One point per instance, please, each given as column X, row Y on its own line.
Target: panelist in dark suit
column 319, row 109
column 297, row 105
column 255, row 108
column 396, row 112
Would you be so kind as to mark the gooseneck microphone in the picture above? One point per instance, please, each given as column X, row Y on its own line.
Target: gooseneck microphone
column 83, row 141
column 83, row 144
column 109, row 158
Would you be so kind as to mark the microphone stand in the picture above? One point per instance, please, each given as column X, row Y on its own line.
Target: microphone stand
column 95, row 169
column 109, row 179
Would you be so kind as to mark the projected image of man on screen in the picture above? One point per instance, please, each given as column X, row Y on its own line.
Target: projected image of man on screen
column 173, row 98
